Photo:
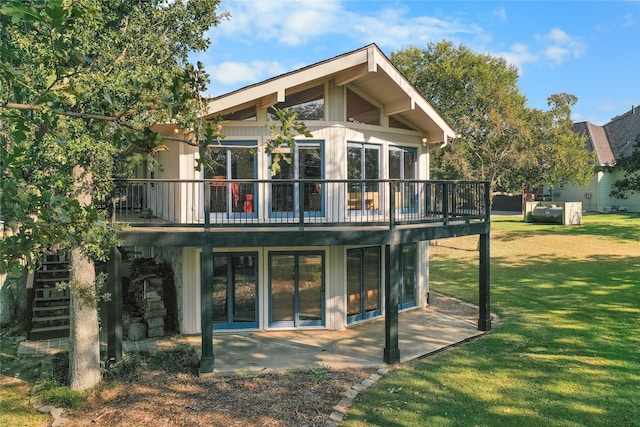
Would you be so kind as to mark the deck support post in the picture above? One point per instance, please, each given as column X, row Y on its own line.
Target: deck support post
column 114, row 313
column 206, row 310
column 391, row 300
column 484, row 319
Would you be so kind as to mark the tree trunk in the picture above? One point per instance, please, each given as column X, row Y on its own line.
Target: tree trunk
column 84, row 356
column 84, row 339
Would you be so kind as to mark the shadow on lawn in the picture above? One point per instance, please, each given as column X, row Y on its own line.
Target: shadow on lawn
column 613, row 226
column 565, row 355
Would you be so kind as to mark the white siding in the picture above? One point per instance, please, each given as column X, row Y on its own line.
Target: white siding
column 190, row 297
column 598, row 189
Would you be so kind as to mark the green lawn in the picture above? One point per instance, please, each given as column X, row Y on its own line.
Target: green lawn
column 567, row 349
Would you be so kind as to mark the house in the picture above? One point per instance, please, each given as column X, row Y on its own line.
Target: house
column 610, row 143
column 337, row 236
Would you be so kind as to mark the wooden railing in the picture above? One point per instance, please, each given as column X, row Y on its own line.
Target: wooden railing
column 302, row 203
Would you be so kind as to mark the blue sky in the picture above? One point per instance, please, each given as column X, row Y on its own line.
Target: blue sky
column 590, row 49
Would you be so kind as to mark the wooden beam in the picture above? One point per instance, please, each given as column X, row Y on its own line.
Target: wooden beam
column 391, row 301
column 352, row 74
column 405, row 104
column 206, row 310
column 484, row 319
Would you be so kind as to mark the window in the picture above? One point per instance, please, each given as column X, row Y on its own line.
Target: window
column 364, row 271
column 363, row 163
column 227, row 163
column 304, row 163
column 359, row 110
column 308, row 104
column 402, row 166
column 296, row 288
column 235, row 290
column 409, row 277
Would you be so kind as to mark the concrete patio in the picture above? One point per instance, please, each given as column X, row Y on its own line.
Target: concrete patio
column 421, row 332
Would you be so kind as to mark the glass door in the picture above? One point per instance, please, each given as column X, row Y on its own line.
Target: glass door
column 363, row 163
column 363, row 283
column 235, row 285
column 296, row 288
column 230, row 197
column 304, row 163
column 402, row 167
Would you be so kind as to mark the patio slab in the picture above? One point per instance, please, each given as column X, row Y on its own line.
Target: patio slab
column 421, row 332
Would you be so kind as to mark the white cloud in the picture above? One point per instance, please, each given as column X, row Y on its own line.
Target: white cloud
column 233, row 73
column 295, row 23
column 559, row 46
column 501, row 13
column 518, row 55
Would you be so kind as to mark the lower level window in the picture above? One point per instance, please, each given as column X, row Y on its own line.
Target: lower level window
column 364, row 271
column 235, row 285
column 296, row 289
column 409, row 277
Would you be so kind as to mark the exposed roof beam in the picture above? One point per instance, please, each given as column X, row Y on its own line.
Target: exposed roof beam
column 404, row 104
column 347, row 76
column 272, row 99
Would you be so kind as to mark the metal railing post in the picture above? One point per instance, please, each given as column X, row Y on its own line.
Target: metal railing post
column 392, row 205
column 207, row 206
column 301, row 205
column 445, row 203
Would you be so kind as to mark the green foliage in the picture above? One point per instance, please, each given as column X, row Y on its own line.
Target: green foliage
column 180, row 360
column 284, row 132
column 501, row 140
column 79, row 82
column 630, row 184
column 61, row 396
column 319, row 373
column 126, row 370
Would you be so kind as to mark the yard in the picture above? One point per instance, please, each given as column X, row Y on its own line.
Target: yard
column 566, row 351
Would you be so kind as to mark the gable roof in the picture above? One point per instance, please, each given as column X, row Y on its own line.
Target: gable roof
column 615, row 139
column 366, row 69
column 596, row 141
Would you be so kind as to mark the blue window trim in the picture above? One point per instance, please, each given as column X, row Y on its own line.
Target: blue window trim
column 412, row 303
column 364, row 146
column 239, row 325
column 229, row 145
column 402, row 150
column 295, row 212
column 296, row 320
column 364, row 315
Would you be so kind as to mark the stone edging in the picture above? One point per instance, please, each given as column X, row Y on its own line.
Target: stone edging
column 340, row 410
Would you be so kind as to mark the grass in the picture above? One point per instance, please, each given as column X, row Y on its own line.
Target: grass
column 566, row 351
column 16, row 380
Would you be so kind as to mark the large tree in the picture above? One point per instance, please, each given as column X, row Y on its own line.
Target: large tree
column 501, row 140
column 79, row 81
column 630, row 183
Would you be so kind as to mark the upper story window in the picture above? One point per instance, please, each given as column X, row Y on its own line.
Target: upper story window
column 308, row 104
column 359, row 110
column 303, row 162
column 226, row 163
column 402, row 166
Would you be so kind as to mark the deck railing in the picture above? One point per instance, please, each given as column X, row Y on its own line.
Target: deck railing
column 302, row 203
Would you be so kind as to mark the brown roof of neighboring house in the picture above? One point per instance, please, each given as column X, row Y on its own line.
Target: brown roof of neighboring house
column 622, row 132
column 614, row 140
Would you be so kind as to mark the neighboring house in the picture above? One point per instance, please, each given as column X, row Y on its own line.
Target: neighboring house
column 340, row 235
column 610, row 143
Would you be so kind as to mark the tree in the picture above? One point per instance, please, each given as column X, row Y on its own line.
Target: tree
column 630, row 164
column 501, row 140
column 79, row 81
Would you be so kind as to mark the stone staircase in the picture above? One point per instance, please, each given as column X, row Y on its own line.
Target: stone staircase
column 50, row 306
